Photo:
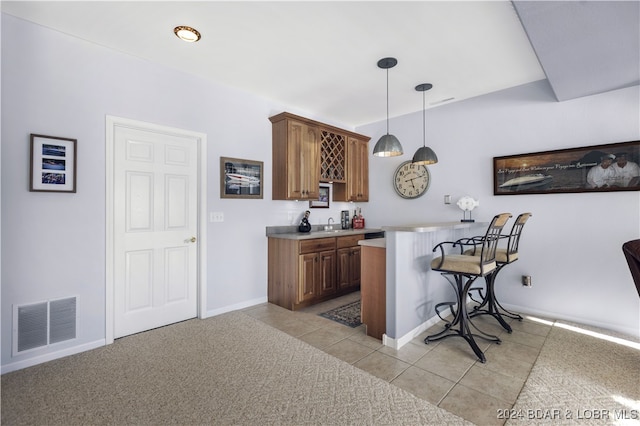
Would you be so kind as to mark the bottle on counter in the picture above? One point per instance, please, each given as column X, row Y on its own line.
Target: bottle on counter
column 358, row 220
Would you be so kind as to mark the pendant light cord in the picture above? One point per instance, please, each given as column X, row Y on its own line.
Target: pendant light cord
column 424, row 120
column 387, row 100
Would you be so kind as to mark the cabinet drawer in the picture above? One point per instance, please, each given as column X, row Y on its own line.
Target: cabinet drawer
column 349, row 241
column 317, row 245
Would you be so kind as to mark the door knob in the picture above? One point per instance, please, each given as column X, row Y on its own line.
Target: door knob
column 193, row 239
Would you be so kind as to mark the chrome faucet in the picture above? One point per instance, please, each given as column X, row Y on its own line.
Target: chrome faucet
column 329, row 227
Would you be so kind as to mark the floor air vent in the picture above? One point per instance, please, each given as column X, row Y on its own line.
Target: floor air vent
column 44, row 323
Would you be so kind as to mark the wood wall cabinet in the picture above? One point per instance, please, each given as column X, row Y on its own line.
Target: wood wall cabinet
column 296, row 159
column 304, row 272
column 307, row 152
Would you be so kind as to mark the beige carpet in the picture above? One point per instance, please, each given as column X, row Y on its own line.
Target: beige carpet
column 230, row 369
column 581, row 379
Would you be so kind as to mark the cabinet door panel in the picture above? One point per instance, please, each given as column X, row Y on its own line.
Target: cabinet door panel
column 358, row 176
column 327, row 278
column 308, row 267
column 354, row 266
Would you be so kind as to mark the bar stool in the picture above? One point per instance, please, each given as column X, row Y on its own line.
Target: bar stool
column 464, row 270
column 489, row 305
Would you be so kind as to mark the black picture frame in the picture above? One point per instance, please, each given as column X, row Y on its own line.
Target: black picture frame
column 241, row 178
column 53, row 166
column 569, row 170
column 324, row 197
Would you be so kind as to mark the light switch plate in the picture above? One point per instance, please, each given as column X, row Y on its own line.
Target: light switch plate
column 216, row 217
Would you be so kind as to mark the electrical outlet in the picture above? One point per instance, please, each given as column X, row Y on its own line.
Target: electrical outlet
column 526, row 280
column 289, row 217
column 447, row 199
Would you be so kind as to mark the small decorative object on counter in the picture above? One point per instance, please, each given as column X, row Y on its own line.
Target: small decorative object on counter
column 305, row 226
column 344, row 219
column 467, row 204
column 358, row 221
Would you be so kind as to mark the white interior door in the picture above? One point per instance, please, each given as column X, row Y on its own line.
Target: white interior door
column 155, row 229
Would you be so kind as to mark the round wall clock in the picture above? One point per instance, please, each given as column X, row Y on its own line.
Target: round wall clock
column 411, row 180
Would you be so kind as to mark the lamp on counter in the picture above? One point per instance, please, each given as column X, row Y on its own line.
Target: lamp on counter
column 467, row 204
column 388, row 145
column 424, row 155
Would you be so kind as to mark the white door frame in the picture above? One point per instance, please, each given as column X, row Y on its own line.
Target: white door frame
column 111, row 123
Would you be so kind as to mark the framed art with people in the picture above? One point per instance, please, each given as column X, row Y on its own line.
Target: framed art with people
column 597, row 168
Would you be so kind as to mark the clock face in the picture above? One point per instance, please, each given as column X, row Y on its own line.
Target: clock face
column 411, row 180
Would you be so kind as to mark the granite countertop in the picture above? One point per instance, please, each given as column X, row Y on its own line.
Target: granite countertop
column 317, row 231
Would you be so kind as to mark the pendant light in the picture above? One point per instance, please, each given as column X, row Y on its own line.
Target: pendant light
column 424, row 155
column 388, row 145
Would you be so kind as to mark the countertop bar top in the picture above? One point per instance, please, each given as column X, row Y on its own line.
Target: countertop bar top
column 374, row 242
column 317, row 231
column 432, row 226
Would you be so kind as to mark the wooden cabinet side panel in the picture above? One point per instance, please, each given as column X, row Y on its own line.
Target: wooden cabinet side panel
column 282, row 274
column 279, row 160
column 373, row 290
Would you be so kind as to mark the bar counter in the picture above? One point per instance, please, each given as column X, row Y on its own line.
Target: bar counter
column 412, row 288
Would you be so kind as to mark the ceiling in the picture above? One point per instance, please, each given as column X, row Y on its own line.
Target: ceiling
column 320, row 57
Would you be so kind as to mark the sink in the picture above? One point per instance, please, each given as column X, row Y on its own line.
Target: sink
column 330, row 231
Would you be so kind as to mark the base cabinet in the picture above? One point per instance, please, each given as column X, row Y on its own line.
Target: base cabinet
column 305, row 272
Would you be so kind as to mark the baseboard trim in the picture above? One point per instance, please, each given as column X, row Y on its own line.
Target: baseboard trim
column 576, row 320
column 237, row 306
column 401, row 341
column 19, row 365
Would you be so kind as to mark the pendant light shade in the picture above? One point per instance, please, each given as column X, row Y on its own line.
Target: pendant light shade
column 424, row 155
column 388, row 145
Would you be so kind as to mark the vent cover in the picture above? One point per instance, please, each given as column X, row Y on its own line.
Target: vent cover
column 44, row 323
column 32, row 326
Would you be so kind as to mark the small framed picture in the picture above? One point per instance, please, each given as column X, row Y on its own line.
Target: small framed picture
column 240, row 178
column 53, row 164
column 323, row 198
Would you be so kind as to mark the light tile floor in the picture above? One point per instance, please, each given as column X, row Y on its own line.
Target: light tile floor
column 446, row 373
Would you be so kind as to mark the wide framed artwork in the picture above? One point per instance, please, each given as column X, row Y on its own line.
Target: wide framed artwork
column 241, row 178
column 53, row 164
column 596, row 168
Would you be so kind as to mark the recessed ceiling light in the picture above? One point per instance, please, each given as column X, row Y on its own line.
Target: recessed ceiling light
column 187, row 33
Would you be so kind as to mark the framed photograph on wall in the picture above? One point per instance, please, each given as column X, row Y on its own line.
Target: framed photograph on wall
column 323, row 198
column 53, row 164
column 241, row 178
column 597, row 168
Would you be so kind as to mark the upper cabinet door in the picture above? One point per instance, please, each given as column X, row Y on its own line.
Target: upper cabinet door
column 358, row 170
column 296, row 159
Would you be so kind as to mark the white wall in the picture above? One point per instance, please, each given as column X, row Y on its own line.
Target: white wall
column 53, row 245
column 572, row 245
